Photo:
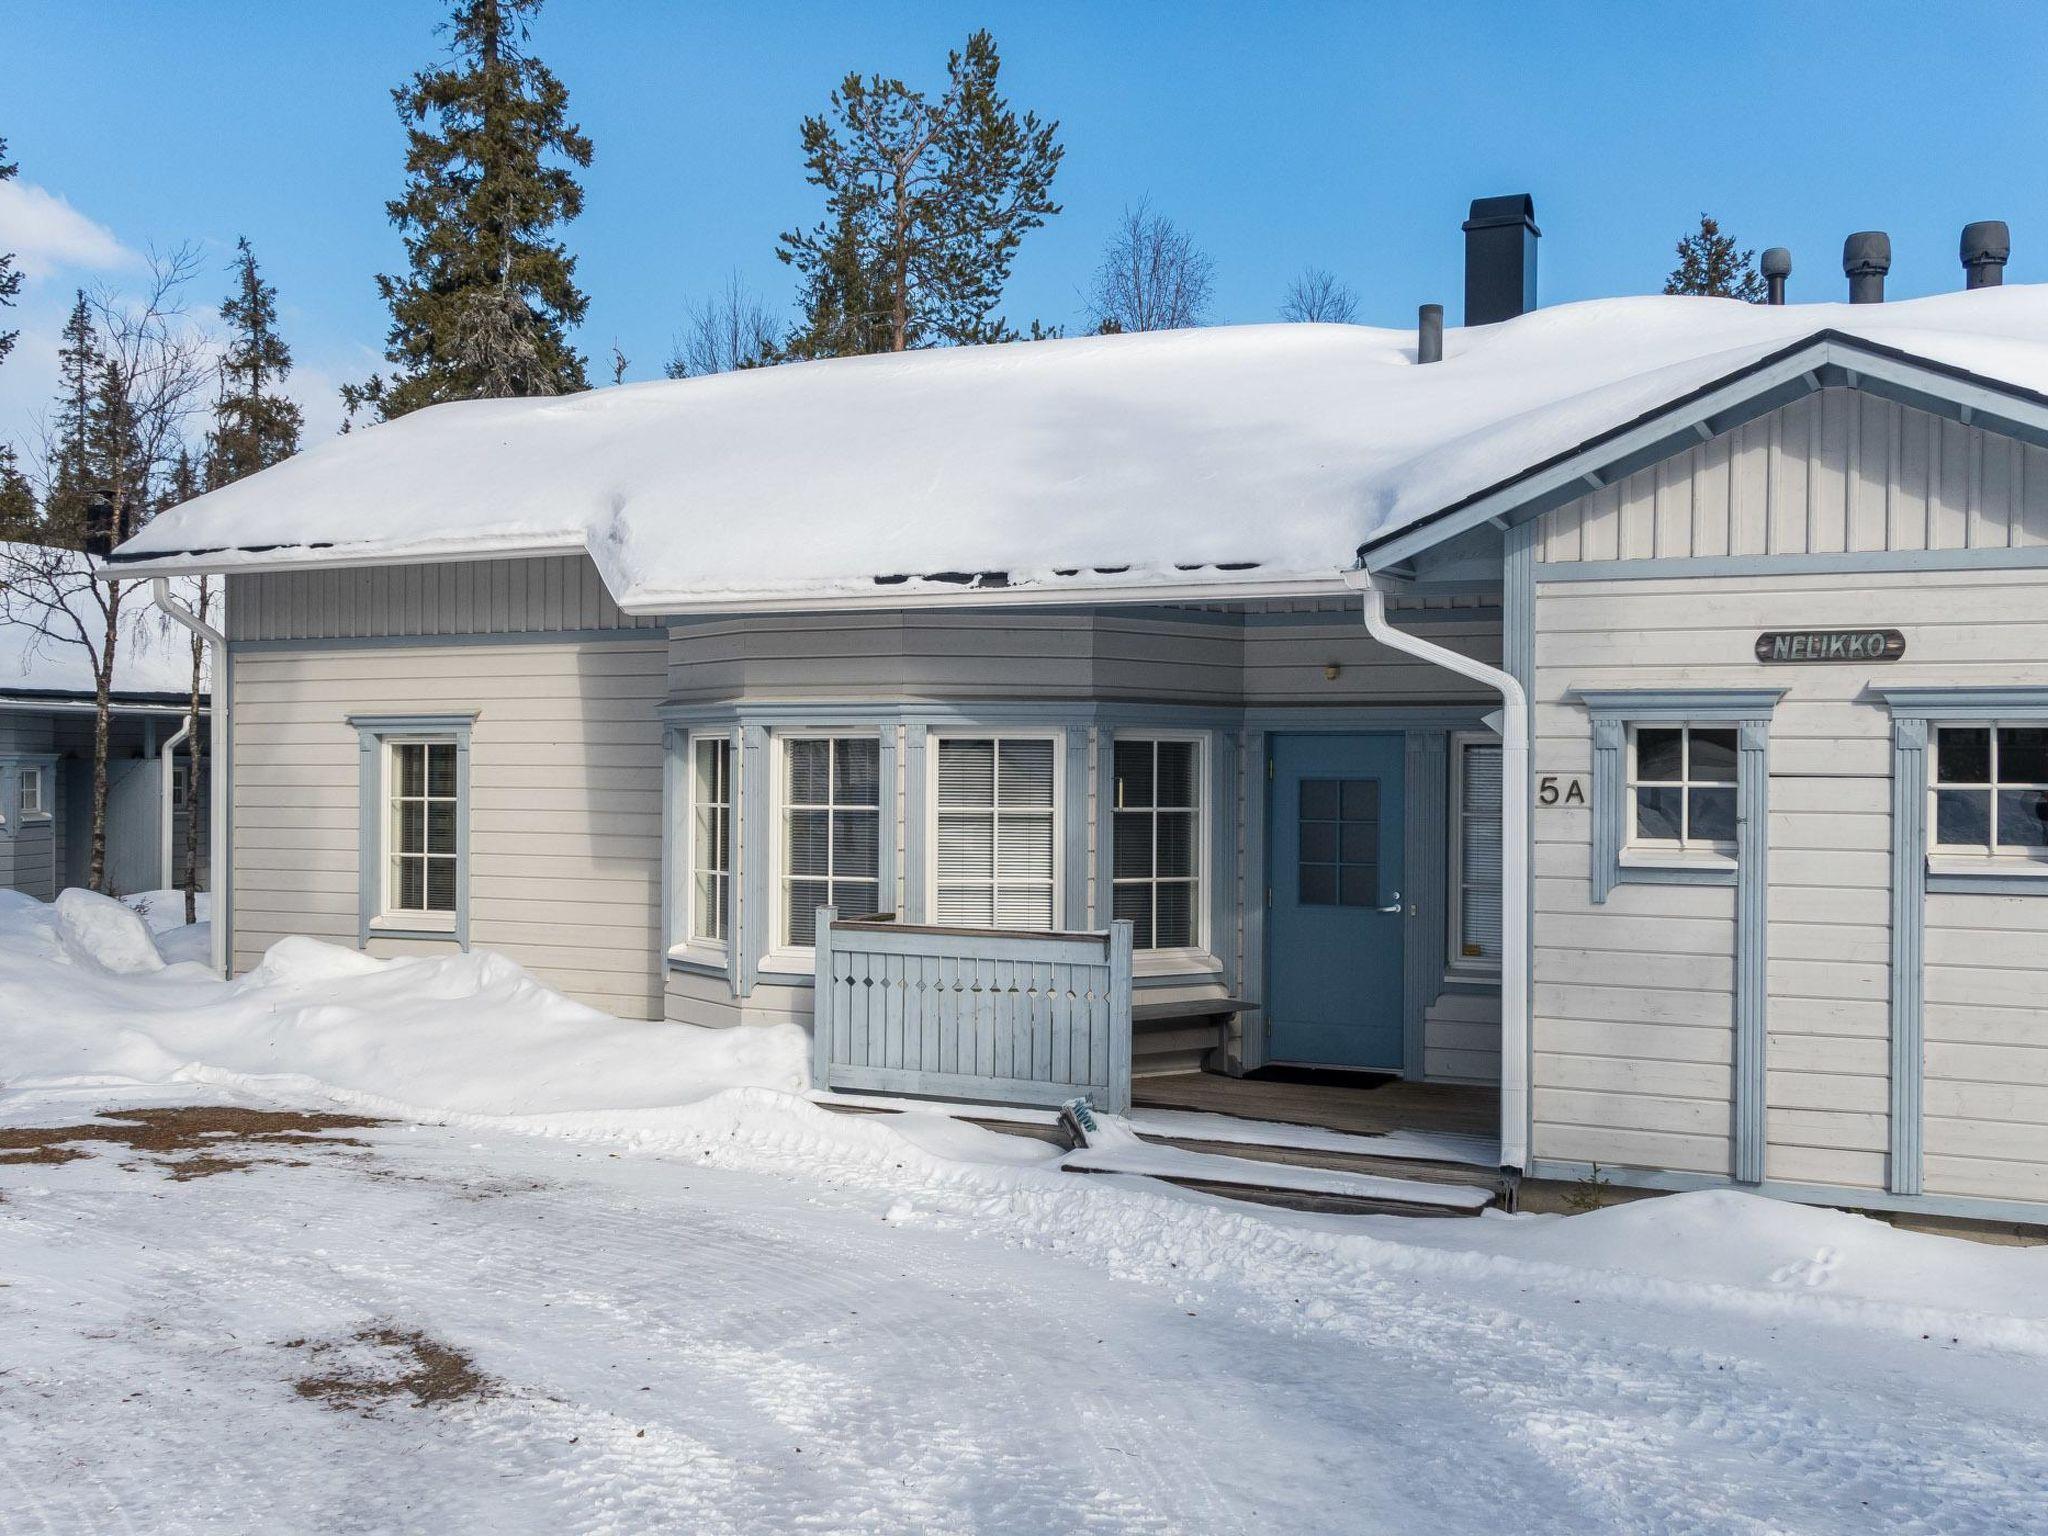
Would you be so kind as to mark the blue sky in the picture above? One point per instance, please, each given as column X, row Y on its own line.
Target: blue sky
column 1347, row 135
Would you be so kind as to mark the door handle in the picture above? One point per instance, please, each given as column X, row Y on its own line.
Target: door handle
column 1394, row 908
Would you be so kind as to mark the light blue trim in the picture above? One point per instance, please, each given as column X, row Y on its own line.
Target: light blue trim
column 1989, row 883
column 1965, row 1207
column 1425, row 949
column 2023, row 702
column 1752, row 946
column 371, row 731
column 1908, row 958
column 917, row 901
column 1840, row 563
column 651, row 634
column 1913, row 709
column 675, row 746
column 1080, row 910
column 1223, row 814
column 1749, row 710
column 750, row 924
column 13, row 820
column 1258, row 748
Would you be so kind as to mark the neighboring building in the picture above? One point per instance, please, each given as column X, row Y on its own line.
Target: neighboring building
column 47, row 710
column 630, row 685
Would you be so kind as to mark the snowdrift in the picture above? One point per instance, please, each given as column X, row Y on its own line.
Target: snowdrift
column 87, row 1007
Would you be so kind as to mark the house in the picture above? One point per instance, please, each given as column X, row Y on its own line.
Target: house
column 1633, row 714
column 47, row 709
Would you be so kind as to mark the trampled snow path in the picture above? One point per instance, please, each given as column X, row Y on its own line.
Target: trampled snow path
column 754, row 1341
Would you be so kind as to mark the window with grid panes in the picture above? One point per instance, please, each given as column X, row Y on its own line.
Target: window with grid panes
column 995, row 831
column 1991, row 790
column 711, row 839
column 1682, row 787
column 831, row 831
column 1156, row 854
column 421, row 851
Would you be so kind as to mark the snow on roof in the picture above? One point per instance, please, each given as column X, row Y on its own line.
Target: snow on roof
column 1125, row 459
column 151, row 656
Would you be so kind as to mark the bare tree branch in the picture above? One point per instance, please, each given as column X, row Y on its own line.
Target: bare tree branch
column 1317, row 295
column 1153, row 276
column 730, row 330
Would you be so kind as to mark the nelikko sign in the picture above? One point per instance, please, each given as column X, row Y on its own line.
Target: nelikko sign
column 1793, row 645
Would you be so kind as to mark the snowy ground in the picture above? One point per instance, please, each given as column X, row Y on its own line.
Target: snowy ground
column 729, row 1311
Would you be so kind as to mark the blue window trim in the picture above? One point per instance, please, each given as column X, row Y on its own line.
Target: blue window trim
column 11, row 766
column 1914, row 712
column 371, row 733
column 1612, row 711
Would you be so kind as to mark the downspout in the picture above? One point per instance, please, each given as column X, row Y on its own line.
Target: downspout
column 167, row 756
column 217, row 741
column 1513, row 726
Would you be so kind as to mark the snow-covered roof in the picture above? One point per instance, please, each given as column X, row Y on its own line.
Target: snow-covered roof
column 152, row 656
column 1262, row 453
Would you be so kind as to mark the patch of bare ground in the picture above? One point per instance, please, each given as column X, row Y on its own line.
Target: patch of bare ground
column 377, row 1365
column 188, row 1143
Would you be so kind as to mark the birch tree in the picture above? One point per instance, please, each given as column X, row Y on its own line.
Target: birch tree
column 1153, row 276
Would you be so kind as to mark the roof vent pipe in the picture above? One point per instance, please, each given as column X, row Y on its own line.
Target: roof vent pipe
column 1500, row 258
column 1777, row 267
column 1986, row 246
column 1866, row 257
column 1429, row 334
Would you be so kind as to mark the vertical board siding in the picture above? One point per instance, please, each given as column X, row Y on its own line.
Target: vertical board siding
column 564, row 806
column 479, row 597
column 1635, row 996
column 1839, row 471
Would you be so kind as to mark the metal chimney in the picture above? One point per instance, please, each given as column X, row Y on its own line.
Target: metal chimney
column 1866, row 257
column 1986, row 246
column 1429, row 334
column 1500, row 258
column 1777, row 267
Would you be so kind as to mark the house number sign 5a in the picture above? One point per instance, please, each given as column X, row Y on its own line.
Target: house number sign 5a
column 1561, row 789
column 1797, row 645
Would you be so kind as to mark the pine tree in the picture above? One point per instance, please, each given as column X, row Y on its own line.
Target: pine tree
column 18, row 520
column 1709, row 265
column 485, row 308
column 10, row 276
column 254, row 424
column 926, row 204
column 81, row 366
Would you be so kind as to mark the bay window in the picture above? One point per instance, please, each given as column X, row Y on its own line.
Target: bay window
column 831, row 831
column 711, row 807
column 996, row 835
column 1155, row 858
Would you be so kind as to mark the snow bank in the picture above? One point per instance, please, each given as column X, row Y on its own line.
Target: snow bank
column 1284, row 446
column 474, row 1041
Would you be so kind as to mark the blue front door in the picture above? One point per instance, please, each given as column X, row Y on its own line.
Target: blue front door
column 1334, row 914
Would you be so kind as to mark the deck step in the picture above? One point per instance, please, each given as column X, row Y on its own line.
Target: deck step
column 1116, row 1149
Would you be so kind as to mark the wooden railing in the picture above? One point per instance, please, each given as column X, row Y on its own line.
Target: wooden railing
column 984, row 1014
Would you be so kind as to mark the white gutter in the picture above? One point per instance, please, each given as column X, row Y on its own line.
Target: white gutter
column 167, row 756
column 217, row 719
column 1514, row 895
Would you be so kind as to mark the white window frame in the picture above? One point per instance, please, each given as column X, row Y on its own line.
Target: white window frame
column 1460, row 964
column 32, row 774
column 416, row 919
column 1198, row 949
column 691, row 938
column 1981, row 855
column 783, row 956
column 1058, row 738
column 1711, row 852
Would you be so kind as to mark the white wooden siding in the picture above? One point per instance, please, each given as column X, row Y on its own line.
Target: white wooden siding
column 1986, row 1022
column 565, row 800
column 1633, row 1020
column 1837, row 471
column 462, row 597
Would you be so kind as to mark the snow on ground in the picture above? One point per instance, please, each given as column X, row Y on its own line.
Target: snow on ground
column 684, row 1298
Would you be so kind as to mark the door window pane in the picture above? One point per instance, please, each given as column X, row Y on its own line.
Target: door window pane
column 1339, row 853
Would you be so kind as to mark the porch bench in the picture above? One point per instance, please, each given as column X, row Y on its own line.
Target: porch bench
column 1182, row 1035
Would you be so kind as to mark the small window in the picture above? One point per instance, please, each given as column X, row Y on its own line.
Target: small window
column 420, row 845
column 31, row 791
column 1157, row 837
column 711, row 839
column 1476, row 857
column 1682, row 787
column 1991, row 789
column 831, row 831
column 1340, row 843
column 996, row 836
column 181, row 772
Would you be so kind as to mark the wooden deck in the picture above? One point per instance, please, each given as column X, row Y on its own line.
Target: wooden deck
column 1336, row 1101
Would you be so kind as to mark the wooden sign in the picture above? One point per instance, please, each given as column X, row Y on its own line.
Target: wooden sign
column 1780, row 646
